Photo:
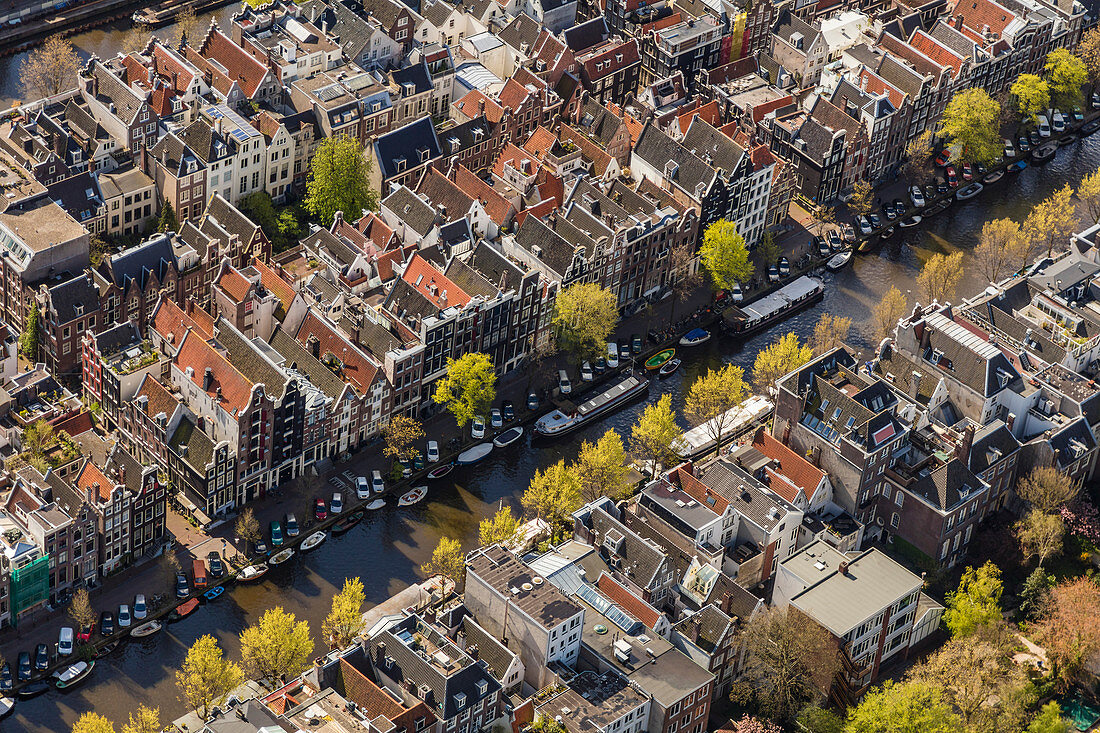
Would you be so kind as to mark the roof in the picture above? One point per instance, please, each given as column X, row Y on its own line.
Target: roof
column 641, row 560
column 412, row 210
column 170, row 319
column 489, row 648
column 443, row 192
column 471, row 106
column 250, row 359
column 433, row 284
column 91, row 478
column 231, row 219
column 159, row 399
column 991, row 444
column 228, row 387
column 243, row 68
column 275, row 283
column 502, row 571
column 43, row 226
column 235, row 285
column 499, row 209
column 414, row 143
column 299, row 359
column 658, row 149
column 707, row 628
column 152, row 258
column 631, row 603
column 356, row 367
column 745, row 495
column 112, row 90
column 74, row 298
column 790, row 464
column 193, row 445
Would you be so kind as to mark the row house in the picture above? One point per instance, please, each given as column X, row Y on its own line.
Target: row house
column 397, row 19
column 80, row 196
column 238, row 78
column 362, row 39
column 71, row 308
column 42, row 145
column 403, row 155
column 180, row 175
column 282, row 38
column 125, row 113
column 173, row 83
column 687, row 47
column 130, row 201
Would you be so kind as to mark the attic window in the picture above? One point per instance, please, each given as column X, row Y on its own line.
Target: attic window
column 836, row 413
column 399, row 164
column 460, row 700
column 423, row 154
column 710, row 500
column 936, row 356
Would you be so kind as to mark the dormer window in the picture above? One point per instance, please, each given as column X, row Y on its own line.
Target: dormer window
column 424, row 152
column 399, row 164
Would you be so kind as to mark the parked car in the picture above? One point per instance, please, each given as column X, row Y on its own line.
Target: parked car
column 495, row 418
column 864, row 224
column 612, row 355
column 943, row 158
column 564, row 385
column 1058, row 122
column 600, row 365
column 65, row 641
column 636, row 343
column 41, row 657
column 106, row 623
column 276, row 534
column 888, row 211
column 1010, row 149
column 377, row 485
column 509, row 410
column 532, row 401
column 433, row 451
column 1035, row 138
column 362, row 487
column 141, row 609
column 951, row 176
column 124, row 618
column 336, row 505
column 86, row 632
column 183, row 589
column 215, row 564
column 916, row 196
column 874, row 220
column 967, row 172
column 1076, row 115
column 586, row 372
column 899, row 207
column 320, row 509
column 1095, row 103
column 24, row 672
column 292, row 529
column 477, row 428
column 1043, row 126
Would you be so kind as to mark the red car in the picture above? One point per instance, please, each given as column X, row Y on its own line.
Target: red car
column 319, row 509
column 86, row 633
column 943, row 158
column 968, row 172
column 952, row 178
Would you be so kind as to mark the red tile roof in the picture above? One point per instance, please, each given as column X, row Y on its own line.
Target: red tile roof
column 469, row 106
column 500, row 210
column 760, row 110
column 801, row 472
column 433, row 284
column 921, row 62
column 708, row 112
column 517, row 157
column 513, row 95
column 89, row 477
column 980, row 14
column 379, row 233
column 357, row 368
column 75, row 425
column 629, row 602
column 235, row 285
column 540, row 210
column 699, row 491
column 243, row 68
column 872, row 83
column 540, row 142
column 160, row 399
column 936, row 51
column 361, row 690
column 589, row 149
column 236, row 390
column 275, row 282
column 169, row 319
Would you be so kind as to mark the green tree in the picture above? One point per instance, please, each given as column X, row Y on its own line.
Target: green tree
column 207, row 677
column 768, row 249
column 940, row 276
column 1047, row 489
column 713, row 396
column 1034, row 594
column 469, row 388
column 584, row 317
column 911, row 707
column 167, row 222
column 779, row 359
column 976, row 603
column 97, row 249
column 37, row 439
column 93, row 723
column 339, row 180
column 1066, row 75
column 278, row 646
column 402, row 434
column 602, row 469
column 553, row 494
column 971, row 120
column 499, row 529
column 259, row 207
column 32, row 333
column 345, row 620
column 816, row 719
column 1049, row 720
column 1040, row 534
column 145, row 720
column 724, row 255
column 546, row 724
column 1032, row 96
column 447, row 560
column 656, row 438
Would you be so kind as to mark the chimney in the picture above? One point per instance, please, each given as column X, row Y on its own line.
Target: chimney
column 380, row 652
column 727, row 603
column 474, row 652
column 962, row 448
column 481, row 106
column 914, row 385
column 314, row 346
column 121, row 474
column 207, row 379
column 1010, row 420
column 843, row 568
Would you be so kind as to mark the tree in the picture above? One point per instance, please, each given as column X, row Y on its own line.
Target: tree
column 789, row 661
column 345, row 620
column 93, row 723
column 724, row 255
column 970, row 120
column 1050, row 221
column 145, row 720
column 1088, row 194
column 685, row 279
column 976, row 603
column 829, row 332
column 768, row 250
column 918, row 153
column 1040, row 535
column 447, row 560
column 135, row 39
column 940, row 276
column 862, row 199
column 80, row 609
column 601, row 468
column 50, row 69
column 903, row 708
column 260, row 208
column 1047, row 489
column 401, row 435
column 97, row 249
column 339, row 180
column 1032, row 96
column 1035, row 593
column 713, row 396
column 656, row 437
column 500, row 529
column 749, row 724
column 247, row 528
column 1066, row 75
column 545, row 724
column 206, row 677
column 779, row 359
column 167, row 222
column 469, row 387
column 816, row 719
column 887, row 312
column 553, row 494
column 1070, row 630
column 1049, row 719
column 1088, row 49
column 184, row 28
column 585, row 314
column 997, row 248
column 32, row 333
column 37, row 438
column 279, row 646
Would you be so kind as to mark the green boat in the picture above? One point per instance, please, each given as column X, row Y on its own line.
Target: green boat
column 658, row 360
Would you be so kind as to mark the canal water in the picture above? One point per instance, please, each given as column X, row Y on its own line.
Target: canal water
column 387, row 548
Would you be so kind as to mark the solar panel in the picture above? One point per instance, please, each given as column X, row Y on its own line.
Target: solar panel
column 614, row 613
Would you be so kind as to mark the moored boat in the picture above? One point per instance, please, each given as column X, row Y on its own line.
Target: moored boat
column 440, row 472
column 7, row 705
column 214, row 592
column 1018, row 166
column 413, row 496
column 695, row 337
column 376, row 504
column 509, row 436
column 73, row 675
column 784, row 302
column 658, row 360
column 182, row 611
column 837, row 262
column 558, row 423
column 147, row 629
column 106, row 650
column 912, row 221
column 1068, row 139
column 314, row 540
column 1091, row 127
column 33, row 689
column 347, row 522
column 282, row 556
column 473, row 455
column 1044, row 152
column 252, row 572
column 670, row 366
column 969, row 192
column 994, row 176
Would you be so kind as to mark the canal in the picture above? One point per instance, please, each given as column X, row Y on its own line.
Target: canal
column 389, row 546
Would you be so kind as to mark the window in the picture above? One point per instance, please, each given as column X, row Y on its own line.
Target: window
column 895, row 520
column 899, row 498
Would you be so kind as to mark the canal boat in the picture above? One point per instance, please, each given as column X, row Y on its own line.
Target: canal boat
column 346, row 523
column 695, row 337
column 182, row 611
column 887, row 234
column 146, row 629
column 1017, row 166
column 784, row 267
column 33, row 689
column 670, row 366
column 441, row 471
column 509, row 436
column 837, row 262
column 1090, row 127
column 786, row 301
column 7, row 705
column 314, row 540
column 1068, row 139
column 969, row 192
column 1044, row 152
column 473, row 455
column 214, row 592
column 376, row 504
column 106, row 650
column 282, row 556
column 72, row 676
column 994, row 176
column 911, row 221
column 558, row 423
column 659, row 359
column 252, row 572
column 413, row 496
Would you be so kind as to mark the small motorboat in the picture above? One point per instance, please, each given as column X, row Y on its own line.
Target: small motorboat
column 659, row 359
column 72, row 676
column 695, row 337
column 473, row 455
column 106, row 649
column 413, row 496
column 438, row 472
column 347, row 522
column 994, row 176
column 969, row 192
column 252, row 572
column 912, row 221
column 888, row 233
column 376, row 504
column 773, row 274
column 509, row 436
column 837, row 262
column 1091, row 127
column 1017, row 166
column 1068, row 139
column 784, row 267
column 6, row 682
column 282, row 556
column 1044, row 152
column 182, row 611
column 7, row 705
column 214, row 592
column 33, row 689
column 735, row 293
column 314, row 540
column 669, row 367
column 149, row 629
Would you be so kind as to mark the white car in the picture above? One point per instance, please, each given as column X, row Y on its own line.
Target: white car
column 586, row 372
column 376, row 483
column 477, row 428
column 123, row 617
column 916, row 196
column 65, row 641
column 362, row 488
column 433, row 451
column 1010, row 149
column 141, row 610
column 612, row 355
column 337, row 504
column 495, row 418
